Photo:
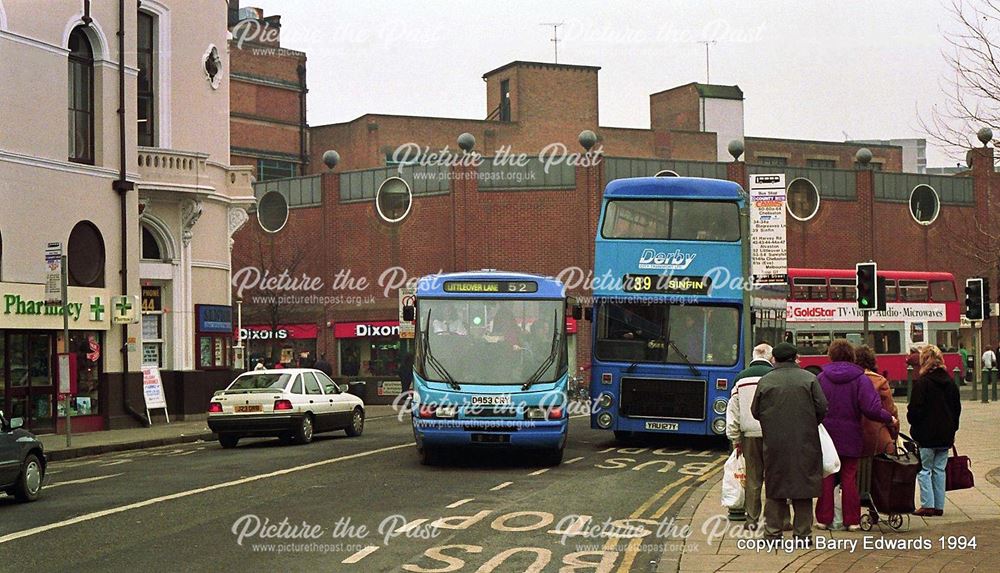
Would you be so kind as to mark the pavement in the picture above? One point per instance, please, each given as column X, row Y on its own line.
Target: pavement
column 159, row 434
column 965, row 538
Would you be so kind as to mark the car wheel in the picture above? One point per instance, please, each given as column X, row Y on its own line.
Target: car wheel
column 357, row 423
column 228, row 440
column 553, row 457
column 304, row 434
column 29, row 483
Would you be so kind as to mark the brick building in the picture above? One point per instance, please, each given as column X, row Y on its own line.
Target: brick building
column 267, row 113
column 325, row 280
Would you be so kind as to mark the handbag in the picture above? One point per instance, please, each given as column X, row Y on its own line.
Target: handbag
column 958, row 472
column 831, row 461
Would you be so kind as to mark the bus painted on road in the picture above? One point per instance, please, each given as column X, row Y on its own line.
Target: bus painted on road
column 670, row 310
column 921, row 308
column 490, row 368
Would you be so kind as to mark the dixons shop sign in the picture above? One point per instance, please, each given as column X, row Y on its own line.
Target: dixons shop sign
column 803, row 311
column 366, row 329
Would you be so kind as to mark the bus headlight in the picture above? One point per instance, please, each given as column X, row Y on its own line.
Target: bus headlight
column 719, row 426
column 605, row 401
column 719, row 406
column 604, row 420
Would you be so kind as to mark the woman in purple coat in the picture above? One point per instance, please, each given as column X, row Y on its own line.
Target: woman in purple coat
column 850, row 395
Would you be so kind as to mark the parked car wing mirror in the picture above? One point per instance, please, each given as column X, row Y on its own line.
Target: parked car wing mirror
column 344, row 388
column 16, row 423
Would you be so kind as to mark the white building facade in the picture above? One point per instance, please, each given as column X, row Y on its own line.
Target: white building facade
column 144, row 205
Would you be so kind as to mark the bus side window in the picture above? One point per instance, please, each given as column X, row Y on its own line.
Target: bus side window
column 809, row 289
column 912, row 291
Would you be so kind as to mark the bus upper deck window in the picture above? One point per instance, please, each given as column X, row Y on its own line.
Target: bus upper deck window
column 912, row 291
column 942, row 291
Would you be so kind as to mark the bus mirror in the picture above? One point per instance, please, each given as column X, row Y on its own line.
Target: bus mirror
column 577, row 311
column 588, row 314
column 409, row 313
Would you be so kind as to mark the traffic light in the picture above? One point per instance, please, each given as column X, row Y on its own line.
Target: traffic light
column 976, row 305
column 867, row 286
column 881, row 295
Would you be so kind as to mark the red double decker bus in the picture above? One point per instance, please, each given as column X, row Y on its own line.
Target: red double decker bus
column 921, row 308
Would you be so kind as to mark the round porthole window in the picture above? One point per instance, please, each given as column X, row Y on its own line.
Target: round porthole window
column 803, row 199
column 924, row 204
column 393, row 200
column 272, row 211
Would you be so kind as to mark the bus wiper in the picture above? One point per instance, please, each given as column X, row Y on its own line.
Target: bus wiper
column 434, row 361
column 631, row 368
column 551, row 358
column 694, row 369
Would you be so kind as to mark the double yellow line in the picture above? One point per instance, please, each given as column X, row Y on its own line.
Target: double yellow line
column 632, row 550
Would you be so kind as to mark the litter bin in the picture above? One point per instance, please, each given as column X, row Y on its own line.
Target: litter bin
column 357, row 387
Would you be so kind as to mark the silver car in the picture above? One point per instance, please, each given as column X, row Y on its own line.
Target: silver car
column 291, row 403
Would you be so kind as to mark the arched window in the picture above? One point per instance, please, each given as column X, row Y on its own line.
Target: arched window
column 86, row 256
column 81, row 97
column 150, row 246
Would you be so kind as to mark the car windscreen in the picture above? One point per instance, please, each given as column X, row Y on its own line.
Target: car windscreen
column 260, row 382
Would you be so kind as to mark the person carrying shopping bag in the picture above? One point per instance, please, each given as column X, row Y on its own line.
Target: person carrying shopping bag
column 850, row 395
column 933, row 414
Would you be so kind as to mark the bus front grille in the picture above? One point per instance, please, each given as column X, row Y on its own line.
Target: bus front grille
column 663, row 398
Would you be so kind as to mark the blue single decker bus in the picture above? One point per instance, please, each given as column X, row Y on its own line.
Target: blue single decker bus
column 490, row 363
column 670, row 311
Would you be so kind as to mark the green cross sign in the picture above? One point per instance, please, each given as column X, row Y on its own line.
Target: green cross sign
column 123, row 306
column 97, row 309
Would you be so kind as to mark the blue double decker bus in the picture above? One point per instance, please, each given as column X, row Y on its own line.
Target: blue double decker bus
column 670, row 314
column 490, row 363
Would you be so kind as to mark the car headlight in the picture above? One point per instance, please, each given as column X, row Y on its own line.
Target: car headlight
column 604, row 420
column 719, row 426
column 719, row 406
column 605, row 401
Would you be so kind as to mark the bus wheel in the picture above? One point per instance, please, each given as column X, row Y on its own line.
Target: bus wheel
column 428, row 456
column 624, row 435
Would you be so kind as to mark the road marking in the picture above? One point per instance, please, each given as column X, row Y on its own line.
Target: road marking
column 460, row 503
column 573, row 461
column 361, row 554
column 649, row 502
column 117, row 463
column 663, row 509
column 153, row 501
column 85, row 480
column 410, row 526
column 501, row 486
column 539, row 472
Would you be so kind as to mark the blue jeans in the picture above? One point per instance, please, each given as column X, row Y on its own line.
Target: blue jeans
column 931, row 477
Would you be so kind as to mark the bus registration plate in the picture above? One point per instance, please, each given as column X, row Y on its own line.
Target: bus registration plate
column 662, row 426
column 503, row 400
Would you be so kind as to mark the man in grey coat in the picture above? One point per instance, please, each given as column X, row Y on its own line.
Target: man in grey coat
column 790, row 406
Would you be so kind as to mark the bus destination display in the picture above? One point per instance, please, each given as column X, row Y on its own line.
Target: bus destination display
column 486, row 287
column 666, row 284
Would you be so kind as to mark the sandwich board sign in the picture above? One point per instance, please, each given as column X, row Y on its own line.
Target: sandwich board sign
column 152, row 392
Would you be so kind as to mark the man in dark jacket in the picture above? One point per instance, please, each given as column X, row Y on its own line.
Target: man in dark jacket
column 323, row 366
column 790, row 406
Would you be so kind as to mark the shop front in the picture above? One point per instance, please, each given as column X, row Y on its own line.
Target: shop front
column 373, row 353
column 292, row 345
column 30, row 341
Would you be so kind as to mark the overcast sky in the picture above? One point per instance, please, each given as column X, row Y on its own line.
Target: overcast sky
column 808, row 71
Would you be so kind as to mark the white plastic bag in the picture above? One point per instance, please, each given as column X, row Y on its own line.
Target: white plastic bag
column 838, row 508
column 831, row 461
column 733, row 477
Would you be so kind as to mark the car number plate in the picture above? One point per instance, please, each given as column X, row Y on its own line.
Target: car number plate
column 491, row 400
column 662, row 426
column 248, row 408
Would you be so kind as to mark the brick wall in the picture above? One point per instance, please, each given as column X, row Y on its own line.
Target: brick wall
column 798, row 151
